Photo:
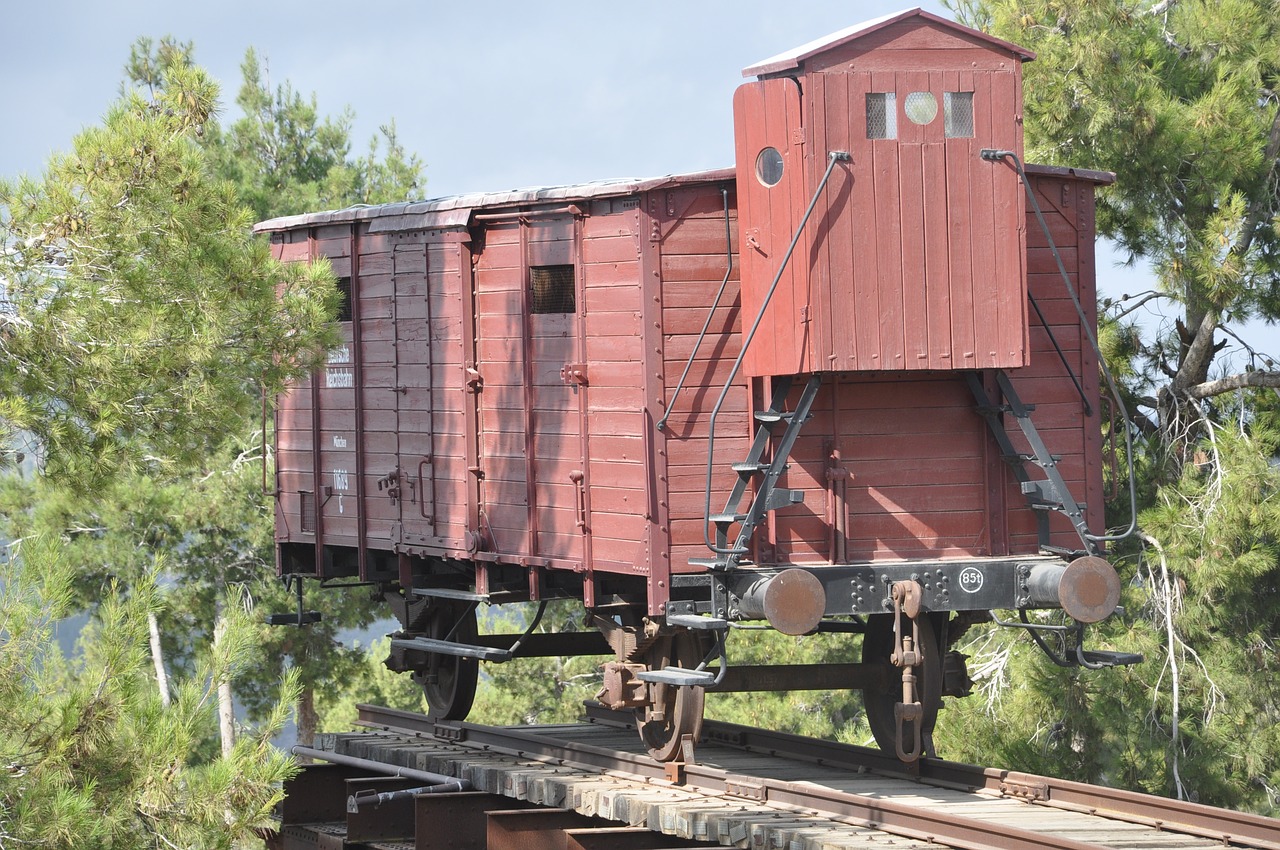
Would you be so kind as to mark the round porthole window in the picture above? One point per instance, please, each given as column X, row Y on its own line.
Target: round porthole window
column 769, row 166
column 921, row 107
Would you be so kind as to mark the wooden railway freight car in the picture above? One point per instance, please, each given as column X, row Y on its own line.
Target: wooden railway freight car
column 845, row 386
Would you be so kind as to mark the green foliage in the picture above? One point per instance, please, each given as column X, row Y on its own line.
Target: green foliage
column 1179, row 102
column 140, row 317
column 1179, row 99
column 535, row 690
column 371, row 682
column 1198, row 719
column 834, row 715
column 285, row 159
column 281, row 155
column 214, row 529
column 92, row 757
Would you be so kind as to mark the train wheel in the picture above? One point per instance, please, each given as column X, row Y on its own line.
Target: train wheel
column 877, row 647
column 448, row 681
column 675, row 712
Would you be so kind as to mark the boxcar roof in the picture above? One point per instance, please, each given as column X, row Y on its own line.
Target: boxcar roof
column 456, row 210
column 796, row 56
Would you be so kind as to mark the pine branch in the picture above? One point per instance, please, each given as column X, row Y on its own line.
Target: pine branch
column 1257, row 378
column 1257, row 212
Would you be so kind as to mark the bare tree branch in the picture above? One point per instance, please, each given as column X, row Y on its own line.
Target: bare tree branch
column 1143, row 298
column 1239, row 381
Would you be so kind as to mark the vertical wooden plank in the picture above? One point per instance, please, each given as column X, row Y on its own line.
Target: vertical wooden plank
column 471, row 407
column 961, row 158
column 1087, row 289
column 765, row 114
column 501, row 354
column 911, row 191
column 755, row 213
column 863, row 346
column 982, row 231
column 777, row 332
column 1009, row 242
column 937, row 210
column 888, row 237
column 826, row 264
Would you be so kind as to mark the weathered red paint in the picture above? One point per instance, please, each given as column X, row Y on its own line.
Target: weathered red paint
column 913, row 257
column 455, row 431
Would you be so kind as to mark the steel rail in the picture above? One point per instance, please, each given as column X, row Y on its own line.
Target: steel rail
column 1162, row 813
column 907, row 821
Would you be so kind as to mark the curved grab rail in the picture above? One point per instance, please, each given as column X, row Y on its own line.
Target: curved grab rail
column 991, row 155
column 833, row 157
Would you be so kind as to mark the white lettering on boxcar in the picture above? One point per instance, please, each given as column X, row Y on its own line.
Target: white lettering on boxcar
column 341, row 354
column 339, row 377
column 340, row 483
column 339, row 442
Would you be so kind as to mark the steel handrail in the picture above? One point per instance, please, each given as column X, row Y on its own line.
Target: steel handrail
column 833, row 157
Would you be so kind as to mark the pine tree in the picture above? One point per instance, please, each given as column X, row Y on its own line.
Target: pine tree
column 1179, row 99
column 92, row 758
column 140, row 318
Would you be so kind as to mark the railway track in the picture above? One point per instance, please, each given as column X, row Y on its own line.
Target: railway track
column 586, row 785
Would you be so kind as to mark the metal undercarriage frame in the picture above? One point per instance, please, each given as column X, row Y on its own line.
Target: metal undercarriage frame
column 968, row 584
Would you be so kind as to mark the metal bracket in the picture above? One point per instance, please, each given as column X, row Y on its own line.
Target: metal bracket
column 574, row 373
column 1025, row 789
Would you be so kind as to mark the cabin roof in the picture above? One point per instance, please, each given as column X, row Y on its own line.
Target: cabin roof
column 456, row 210
column 793, row 58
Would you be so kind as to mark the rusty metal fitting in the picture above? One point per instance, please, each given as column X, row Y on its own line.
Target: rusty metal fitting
column 908, row 597
column 1087, row 589
column 621, row 687
column 793, row 601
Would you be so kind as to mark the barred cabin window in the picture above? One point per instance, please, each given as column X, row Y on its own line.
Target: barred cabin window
column 307, row 509
column 551, row 289
column 882, row 115
column 344, row 308
column 957, row 107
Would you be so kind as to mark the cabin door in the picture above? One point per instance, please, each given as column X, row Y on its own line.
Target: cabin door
column 532, row 408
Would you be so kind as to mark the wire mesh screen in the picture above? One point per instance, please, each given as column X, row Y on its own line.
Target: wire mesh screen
column 958, row 107
column 882, row 115
column 344, row 308
column 307, row 507
column 551, row 289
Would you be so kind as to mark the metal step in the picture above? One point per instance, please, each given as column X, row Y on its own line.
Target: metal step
column 727, row 519
column 697, row 621
column 450, row 593
column 724, row 562
column 1026, row 458
column 679, row 677
column 1108, row 658
column 448, row 647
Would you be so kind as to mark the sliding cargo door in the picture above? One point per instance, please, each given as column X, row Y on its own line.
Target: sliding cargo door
column 533, row 487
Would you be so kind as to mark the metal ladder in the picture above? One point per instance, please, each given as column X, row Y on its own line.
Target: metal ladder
column 769, row 496
column 1044, row 495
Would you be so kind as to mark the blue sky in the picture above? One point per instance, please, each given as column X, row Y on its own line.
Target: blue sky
column 492, row 95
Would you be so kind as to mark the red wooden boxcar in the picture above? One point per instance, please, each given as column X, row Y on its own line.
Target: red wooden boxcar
column 545, row 393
